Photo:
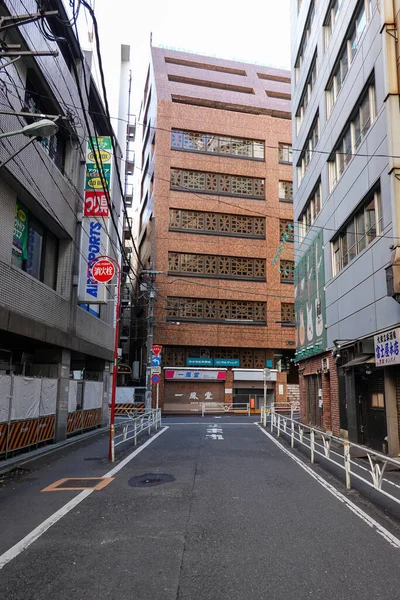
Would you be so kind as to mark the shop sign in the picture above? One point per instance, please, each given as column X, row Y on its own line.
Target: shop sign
column 199, row 362
column 193, row 374
column 226, row 362
column 20, row 237
column 387, row 347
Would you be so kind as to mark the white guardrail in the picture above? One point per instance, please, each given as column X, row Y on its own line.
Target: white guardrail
column 224, row 408
column 133, row 426
column 338, row 451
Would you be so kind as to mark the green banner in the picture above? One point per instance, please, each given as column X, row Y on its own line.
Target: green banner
column 310, row 300
column 20, row 237
column 101, row 147
column 93, row 178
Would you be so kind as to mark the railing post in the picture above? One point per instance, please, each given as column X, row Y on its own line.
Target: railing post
column 202, row 409
column 272, row 417
column 149, row 424
column 279, row 425
column 347, row 465
column 291, row 411
column 312, row 436
column 265, row 416
column 248, row 409
column 292, row 440
column 135, row 433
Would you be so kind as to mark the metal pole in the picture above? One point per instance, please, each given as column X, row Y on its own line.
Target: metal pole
column 272, row 417
column 292, row 440
column 347, row 464
column 111, row 450
column 265, row 398
column 150, row 318
column 312, row 435
column 158, row 391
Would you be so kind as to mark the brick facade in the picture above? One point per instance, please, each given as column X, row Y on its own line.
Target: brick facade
column 256, row 117
column 330, row 391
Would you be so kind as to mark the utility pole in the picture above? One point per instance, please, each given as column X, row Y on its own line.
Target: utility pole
column 150, row 315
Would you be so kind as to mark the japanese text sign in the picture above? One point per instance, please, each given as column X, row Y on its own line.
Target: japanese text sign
column 387, row 347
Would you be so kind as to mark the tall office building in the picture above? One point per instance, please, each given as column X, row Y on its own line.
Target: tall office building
column 346, row 191
column 215, row 220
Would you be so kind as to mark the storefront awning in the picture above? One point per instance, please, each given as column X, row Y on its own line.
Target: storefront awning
column 360, row 360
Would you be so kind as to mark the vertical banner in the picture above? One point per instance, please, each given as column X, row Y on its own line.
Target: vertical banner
column 95, row 221
column 310, row 300
column 20, row 236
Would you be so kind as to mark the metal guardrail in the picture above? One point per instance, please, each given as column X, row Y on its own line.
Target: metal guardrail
column 322, row 444
column 224, row 408
column 284, row 408
column 133, row 426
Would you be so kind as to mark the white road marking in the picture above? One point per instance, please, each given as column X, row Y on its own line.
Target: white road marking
column 59, row 514
column 389, row 537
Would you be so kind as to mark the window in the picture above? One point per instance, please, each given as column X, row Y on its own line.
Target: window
column 35, row 249
column 217, row 311
column 285, row 153
column 286, row 230
column 347, row 53
column 304, row 40
column 220, row 267
column 306, row 95
column 330, row 20
column 310, row 211
column 308, row 150
column 285, row 191
column 287, row 271
column 360, row 230
column 287, row 315
column 37, row 101
column 355, row 131
column 193, row 141
column 377, row 400
column 217, row 183
column 216, row 223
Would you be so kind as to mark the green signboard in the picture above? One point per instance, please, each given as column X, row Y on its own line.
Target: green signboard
column 93, row 178
column 199, row 362
column 20, row 236
column 226, row 362
column 310, row 300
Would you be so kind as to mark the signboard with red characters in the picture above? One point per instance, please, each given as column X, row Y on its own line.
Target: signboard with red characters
column 103, row 270
column 95, row 204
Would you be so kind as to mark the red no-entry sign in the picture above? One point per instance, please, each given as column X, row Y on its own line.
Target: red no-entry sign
column 103, row 270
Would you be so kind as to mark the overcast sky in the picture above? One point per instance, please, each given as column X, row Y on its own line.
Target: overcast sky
column 256, row 31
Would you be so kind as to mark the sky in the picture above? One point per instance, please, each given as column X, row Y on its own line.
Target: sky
column 222, row 28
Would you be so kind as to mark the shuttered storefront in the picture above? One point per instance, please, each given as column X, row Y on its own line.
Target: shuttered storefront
column 184, row 397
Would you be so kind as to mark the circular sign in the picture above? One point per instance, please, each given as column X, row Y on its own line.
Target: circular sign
column 155, row 379
column 103, row 270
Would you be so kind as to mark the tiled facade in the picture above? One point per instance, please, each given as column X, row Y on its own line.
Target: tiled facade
column 173, row 105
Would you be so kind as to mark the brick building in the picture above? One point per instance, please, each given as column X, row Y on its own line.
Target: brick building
column 216, row 193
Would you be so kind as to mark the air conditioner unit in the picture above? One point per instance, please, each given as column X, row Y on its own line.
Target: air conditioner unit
column 325, row 365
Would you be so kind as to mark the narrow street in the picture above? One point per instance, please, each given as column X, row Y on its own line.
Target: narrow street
column 207, row 509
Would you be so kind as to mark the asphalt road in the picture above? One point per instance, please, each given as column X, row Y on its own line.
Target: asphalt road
column 210, row 509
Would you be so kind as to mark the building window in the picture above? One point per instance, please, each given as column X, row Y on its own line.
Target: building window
column 287, row 314
column 285, row 191
column 37, row 101
column 304, row 40
column 310, row 211
column 362, row 118
column 193, row 141
column 377, row 400
column 286, row 230
column 306, row 95
column 217, row 184
column 35, row 248
column 360, row 230
column 308, row 150
column 221, row 267
column 217, row 311
column 347, row 53
column 285, row 153
column 330, row 20
column 216, row 223
column 287, row 271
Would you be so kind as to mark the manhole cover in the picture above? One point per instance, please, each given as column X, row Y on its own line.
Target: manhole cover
column 150, row 480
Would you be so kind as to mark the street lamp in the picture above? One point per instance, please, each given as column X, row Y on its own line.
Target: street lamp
column 42, row 128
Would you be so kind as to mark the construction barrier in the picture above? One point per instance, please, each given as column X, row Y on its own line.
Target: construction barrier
column 130, row 408
column 83, row 419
